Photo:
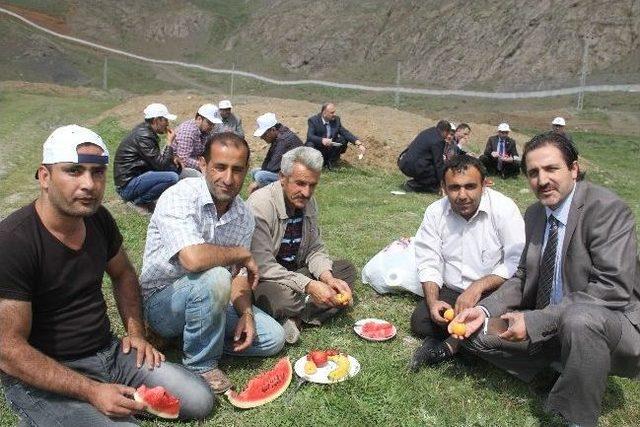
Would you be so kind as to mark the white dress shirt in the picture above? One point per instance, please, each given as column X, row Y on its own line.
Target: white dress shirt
column 455, row 252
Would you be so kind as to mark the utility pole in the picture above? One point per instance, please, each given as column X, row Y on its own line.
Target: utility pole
column 104, row 74
column 233, row 71
column 583, row 75
column 397, row 94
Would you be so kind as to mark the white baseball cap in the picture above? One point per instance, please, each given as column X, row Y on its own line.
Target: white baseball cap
column 158, row 110
column 210, row 112
column 265, row 122
column 503, row 127
column 559, row 121
column 224, row 104
column 62, row 146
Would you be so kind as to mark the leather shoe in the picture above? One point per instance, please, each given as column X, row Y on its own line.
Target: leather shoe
column 431, row 352
column 217, row 380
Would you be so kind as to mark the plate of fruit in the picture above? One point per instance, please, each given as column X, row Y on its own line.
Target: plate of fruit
column 375, row 329
column 326, row 366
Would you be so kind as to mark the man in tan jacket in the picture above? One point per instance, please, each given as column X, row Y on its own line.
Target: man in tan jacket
column 298, row 281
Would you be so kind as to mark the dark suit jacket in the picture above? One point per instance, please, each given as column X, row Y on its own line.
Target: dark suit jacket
column 600, row 263
column 492, row 145
column 424, row 157
column 317, row 130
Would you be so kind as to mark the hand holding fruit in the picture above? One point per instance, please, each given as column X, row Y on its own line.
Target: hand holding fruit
column 436, row 310
column 471, row 319
column 114, row 400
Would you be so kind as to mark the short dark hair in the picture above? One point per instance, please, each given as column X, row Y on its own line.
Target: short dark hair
column 226, row 139
column 567, row 149
column 444, row 126
column 462, row 162
column 464, row 126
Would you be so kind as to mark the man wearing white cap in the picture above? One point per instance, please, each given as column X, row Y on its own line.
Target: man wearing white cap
column 280, row 139
column 55, row 335
column 191, row 136
column 141, row 170
column 501, row 154
column 558, row 126
column 230, row 122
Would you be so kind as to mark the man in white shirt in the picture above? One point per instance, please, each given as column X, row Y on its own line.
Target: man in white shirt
column 468, row 244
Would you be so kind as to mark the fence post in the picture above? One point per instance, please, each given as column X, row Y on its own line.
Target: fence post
column 104, row 74
column 233, row 71
column 397, row 94
column 583, row 73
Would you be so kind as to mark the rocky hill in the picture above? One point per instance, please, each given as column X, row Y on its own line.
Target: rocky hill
column 500, row 45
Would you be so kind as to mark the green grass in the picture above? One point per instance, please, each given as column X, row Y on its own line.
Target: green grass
column 359, row 216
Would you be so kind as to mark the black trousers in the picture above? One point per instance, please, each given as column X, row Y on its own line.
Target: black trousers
column 507, row 170
column 421, row 323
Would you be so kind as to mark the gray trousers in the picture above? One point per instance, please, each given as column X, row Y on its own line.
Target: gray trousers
column 37, row 407
column 282, row 302
column 592, row 343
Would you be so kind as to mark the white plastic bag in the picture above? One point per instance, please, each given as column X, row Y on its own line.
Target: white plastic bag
column 393, row 269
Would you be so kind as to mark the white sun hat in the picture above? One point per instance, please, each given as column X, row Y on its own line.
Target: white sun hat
column 265, row 122
column 558, row 121
column 224, row 104
column 158, row 110
column 210, row 112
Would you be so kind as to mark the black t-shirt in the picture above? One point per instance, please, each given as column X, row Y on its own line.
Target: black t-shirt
column 64, row 286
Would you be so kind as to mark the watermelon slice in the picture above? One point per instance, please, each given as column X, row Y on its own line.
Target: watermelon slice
column 264, row 387
column 158, row 401
column 377, row 329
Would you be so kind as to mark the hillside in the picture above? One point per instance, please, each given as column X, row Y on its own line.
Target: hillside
column 506, row 45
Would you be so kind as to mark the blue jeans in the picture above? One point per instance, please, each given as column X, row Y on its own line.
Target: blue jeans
column 262, row 177
column 146, row 188
column 37, row 407
column 197, row 308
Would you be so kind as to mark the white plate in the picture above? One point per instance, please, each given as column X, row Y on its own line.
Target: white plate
column 358, row 329
column 320, row 377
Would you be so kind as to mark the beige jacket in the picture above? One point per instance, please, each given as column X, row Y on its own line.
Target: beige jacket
column 271, row 217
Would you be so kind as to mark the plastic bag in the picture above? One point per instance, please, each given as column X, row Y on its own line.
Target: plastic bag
column 393, row 269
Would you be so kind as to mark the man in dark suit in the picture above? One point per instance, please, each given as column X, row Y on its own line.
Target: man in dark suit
column 423, row 159
column 575, row 295
column 327, row 135
column 501, row 154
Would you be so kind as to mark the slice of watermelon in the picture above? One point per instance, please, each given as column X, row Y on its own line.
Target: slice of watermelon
column 377, row 329
column 264, row 387
column 158, row 401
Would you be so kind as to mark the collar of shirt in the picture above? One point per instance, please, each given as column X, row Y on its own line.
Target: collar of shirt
column 482, row 207
column 325, row 122
column 207, row 200
column 561, row 212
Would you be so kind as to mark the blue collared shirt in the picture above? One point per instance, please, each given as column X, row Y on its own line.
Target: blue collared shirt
column 561, row 213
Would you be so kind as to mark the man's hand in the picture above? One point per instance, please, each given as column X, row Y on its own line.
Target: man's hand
column 436, row 309
column 340, row 287
column 467, row 299
column 517, row 330
column 473, row 318
column 171, row 135
column 114, row 400
column 507, row 159
column 244, row 333
column 361, row 147
column 178, row 162
column 145, row 351
column 326, row 142
column 494, row 154
column 321, row 293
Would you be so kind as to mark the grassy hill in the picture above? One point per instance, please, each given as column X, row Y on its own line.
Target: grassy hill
column 462, row 392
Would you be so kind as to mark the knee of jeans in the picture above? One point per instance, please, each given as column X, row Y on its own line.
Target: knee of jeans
column 275, row 340
column 199, row 404
column 173, row 177
column 212, row 286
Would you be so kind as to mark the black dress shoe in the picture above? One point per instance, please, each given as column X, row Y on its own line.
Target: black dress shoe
column 431, row 352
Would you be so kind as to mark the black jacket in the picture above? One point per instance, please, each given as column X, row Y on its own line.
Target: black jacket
column 424, row 157
column 317, row 130
column 492, row 145
column 139, row 152
column 285, row 141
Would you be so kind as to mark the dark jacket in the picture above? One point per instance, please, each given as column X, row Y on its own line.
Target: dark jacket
column 492, row 145
column 423, row 159
column 139, row 152
column 285, row 141
column 317, row 130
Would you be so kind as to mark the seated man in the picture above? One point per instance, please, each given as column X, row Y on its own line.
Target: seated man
column 469, row 243
column 298, row 280
column 326, row 134
column 55, row 335
column 558, row 126
column 280, row 139
column 197, row 259
column 141, row 171
column 191, row 136
column 575, row 297
column 230, row 121
column 459, row 140
column 501, row 154
column 423, row 159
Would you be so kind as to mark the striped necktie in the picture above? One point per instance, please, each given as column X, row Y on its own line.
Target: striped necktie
column 548, row 265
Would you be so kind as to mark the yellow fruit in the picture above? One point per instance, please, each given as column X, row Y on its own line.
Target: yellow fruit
column 449, row 314
column 458, row 329
column 342, row 367
column 310, row 368
column 342, row 299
